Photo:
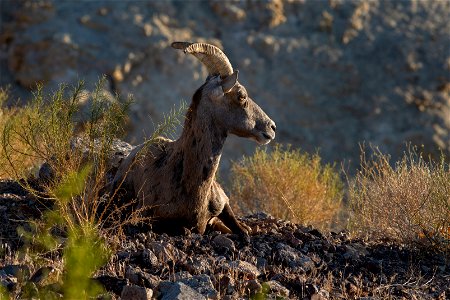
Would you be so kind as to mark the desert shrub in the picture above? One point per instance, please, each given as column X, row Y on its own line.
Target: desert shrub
column 408, row 202
column 6, row 114
column 43, row 131
column 4, row 95
column 73, row 228
column 289, row 184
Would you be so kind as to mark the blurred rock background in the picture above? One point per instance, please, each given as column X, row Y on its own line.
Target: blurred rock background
column 331, row 74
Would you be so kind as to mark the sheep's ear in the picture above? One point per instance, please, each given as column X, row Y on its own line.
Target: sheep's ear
column 229, row 82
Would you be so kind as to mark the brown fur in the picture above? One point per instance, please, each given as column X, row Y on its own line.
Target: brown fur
column 176, row 179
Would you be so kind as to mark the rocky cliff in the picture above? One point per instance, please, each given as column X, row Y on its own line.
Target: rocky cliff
column 330, row 73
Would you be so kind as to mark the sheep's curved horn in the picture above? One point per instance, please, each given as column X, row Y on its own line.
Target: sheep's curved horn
column 215, row 61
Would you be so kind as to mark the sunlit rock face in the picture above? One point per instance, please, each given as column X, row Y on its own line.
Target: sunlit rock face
column 332, row 74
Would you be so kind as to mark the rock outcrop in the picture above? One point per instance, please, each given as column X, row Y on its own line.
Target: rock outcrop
column 332, row 73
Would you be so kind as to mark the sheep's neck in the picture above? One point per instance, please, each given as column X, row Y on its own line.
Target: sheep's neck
column 200, row 145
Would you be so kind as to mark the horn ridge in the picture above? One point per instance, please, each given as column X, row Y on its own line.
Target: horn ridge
column 181, row 45
column 215, row 61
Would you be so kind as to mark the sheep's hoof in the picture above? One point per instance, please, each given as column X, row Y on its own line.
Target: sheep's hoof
column 244, row 233
column 245, row 228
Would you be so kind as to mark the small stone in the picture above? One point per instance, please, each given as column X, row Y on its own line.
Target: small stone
column 203, row 285
column 16, row 270
column 165, row 251
column 7, row 282
column 355, row 251
column 261, row 263
column 149, row 259
column 253, row 286
column 316, row 233
column 134, row 292
column 294, row 258
column 227, row 284
column 276, row 288
column 197, row 265
column 42, row 274
column 111, row 283
column 321, row 295
column 221, row 241
column 132, row 275
column 46, row 172
column 181, row 291
column 138, row 277
column 244, row 268
column 182, row 275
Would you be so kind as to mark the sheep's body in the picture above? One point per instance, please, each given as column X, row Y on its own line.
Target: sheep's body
column 175, row 180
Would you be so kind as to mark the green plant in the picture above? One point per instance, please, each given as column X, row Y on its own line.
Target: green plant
column 408, row 202
column 84, row 252
column 289, row 184
column 72, row 230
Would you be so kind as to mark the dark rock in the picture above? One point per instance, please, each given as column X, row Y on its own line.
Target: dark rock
column 42, row 274
column 7, row 282
column 276, row 289
column 18, row 271
column 252, row 287
column 316, row 233
column 221, row 241
column 134, row 292
column 149, row 259
column 111, row 283
column 354, row 251
column 133, row 275
column 261, row 263
column 294, row 258
column 136, row 276
column 196, row 265
column 227, row 284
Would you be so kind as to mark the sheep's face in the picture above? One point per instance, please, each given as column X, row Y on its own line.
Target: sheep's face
column 235, row 112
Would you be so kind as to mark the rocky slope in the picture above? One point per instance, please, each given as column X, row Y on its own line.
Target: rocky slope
column 330, row 73
column 281, row 261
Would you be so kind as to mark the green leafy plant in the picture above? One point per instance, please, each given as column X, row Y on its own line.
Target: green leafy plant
column 84, row 252
column 289, row 184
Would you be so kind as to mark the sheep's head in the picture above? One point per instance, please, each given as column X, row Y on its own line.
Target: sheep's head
column 229, row 103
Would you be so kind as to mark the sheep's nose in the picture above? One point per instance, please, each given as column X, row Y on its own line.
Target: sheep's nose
column 274, row 127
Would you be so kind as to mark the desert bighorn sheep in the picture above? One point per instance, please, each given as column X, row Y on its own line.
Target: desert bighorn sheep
column 176, row 179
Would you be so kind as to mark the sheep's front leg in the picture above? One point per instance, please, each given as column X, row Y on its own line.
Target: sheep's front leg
column 229, row 219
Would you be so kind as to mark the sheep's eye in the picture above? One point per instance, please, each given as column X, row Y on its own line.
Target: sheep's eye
column 242, row 97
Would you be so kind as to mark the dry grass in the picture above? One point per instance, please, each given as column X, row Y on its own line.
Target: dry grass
column 288, row 184
column 6, row 117
column 408, row 202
